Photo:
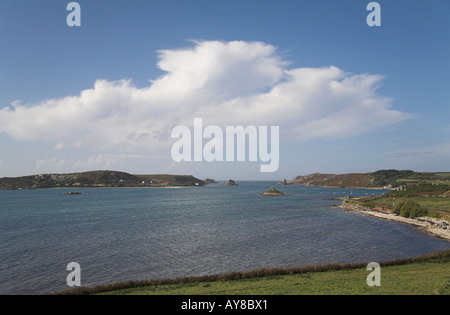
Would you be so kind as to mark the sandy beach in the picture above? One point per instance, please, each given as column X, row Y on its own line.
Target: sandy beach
column 435, row 227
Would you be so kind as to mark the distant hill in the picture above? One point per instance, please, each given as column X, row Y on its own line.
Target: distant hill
column 379, row 179
column 97, row 179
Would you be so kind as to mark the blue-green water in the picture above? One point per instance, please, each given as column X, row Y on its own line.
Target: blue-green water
column 137, row 234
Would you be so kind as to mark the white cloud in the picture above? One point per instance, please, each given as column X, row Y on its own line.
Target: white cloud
column 424, row 158
column 108, row 161
column 78, row 144
column 438, row 150
column 225, row 83
column 59, row 146
column 52, row 164
column 94, row 162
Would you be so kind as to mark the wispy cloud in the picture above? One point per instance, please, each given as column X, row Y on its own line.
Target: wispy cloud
column 94, row 162
column 438, row 150
column 225, row 83
column 424, row 157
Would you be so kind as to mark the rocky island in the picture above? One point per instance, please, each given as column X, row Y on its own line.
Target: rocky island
column 209, row 181
column 273, row 192
column 70, row 193
column 231, row 183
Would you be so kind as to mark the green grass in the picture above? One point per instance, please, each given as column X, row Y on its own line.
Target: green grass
column 417, row 279
column 429, row 203
column 427, row 181
column 428, row 196
column 437, row 207
column 424, row 275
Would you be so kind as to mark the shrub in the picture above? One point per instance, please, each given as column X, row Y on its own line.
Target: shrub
column 410, row 209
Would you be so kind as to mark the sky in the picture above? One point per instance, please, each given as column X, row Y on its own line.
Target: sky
column 346, row 97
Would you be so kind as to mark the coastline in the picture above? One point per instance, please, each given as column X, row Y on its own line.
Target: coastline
column 435, row 227
column 103, row 187
column 339, row 187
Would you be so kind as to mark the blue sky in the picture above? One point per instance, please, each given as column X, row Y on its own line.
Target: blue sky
column 47, row 67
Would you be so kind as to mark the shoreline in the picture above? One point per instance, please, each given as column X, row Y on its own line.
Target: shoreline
column 343, row 187
column 435, row 227
column 101, row 187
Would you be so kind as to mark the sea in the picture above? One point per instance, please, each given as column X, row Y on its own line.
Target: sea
column 122, row 234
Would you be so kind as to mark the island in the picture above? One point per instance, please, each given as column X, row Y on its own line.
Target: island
column 231, row 183
column 97, row 179
column 209, row 181
column 273, row 192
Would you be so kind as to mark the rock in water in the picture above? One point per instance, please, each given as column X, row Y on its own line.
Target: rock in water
column 231, row 183
column 273, row 192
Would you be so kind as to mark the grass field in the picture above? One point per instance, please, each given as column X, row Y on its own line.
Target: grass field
column 425, row 275
column 429, row 203
column 415, row 279
column 432, row 197
column 427, row 178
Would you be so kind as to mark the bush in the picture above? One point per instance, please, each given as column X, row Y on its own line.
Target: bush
column 410, row 209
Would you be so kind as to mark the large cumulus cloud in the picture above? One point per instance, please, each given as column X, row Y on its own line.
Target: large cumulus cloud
column 225, row 83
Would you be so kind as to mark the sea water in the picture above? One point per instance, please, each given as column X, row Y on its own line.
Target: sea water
column 121, row 234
